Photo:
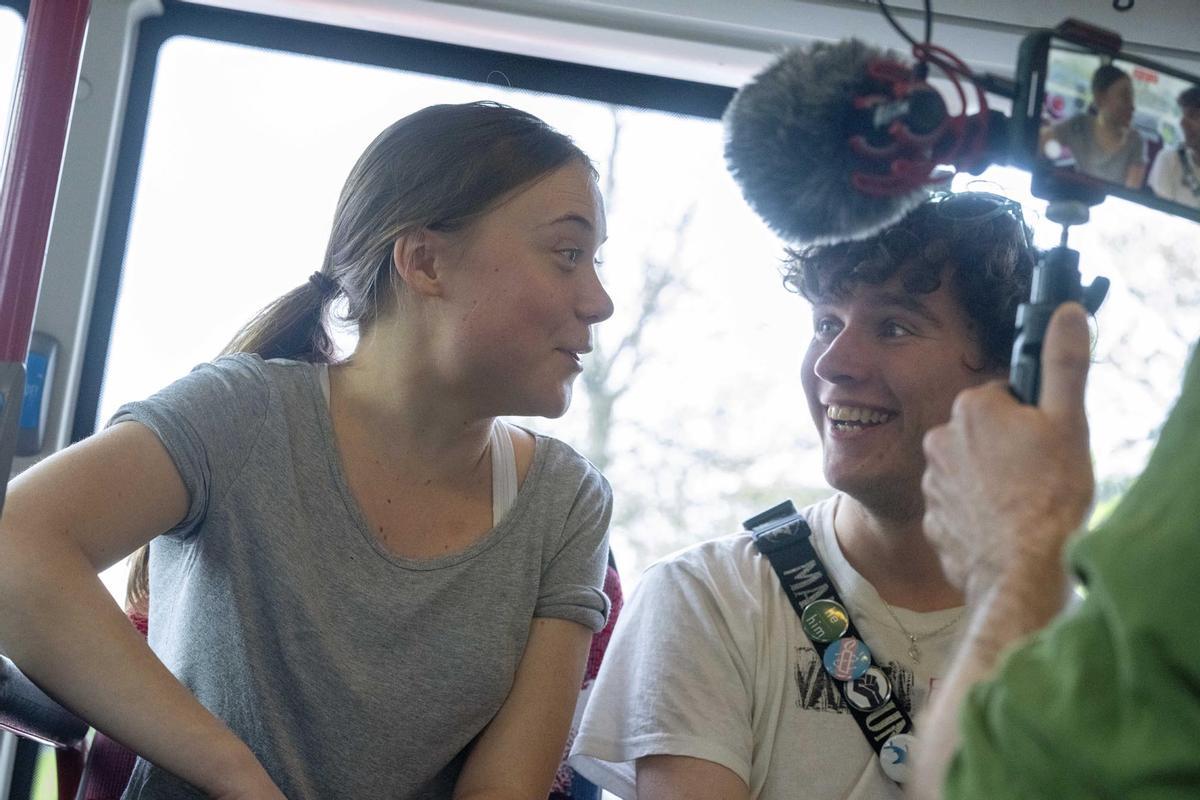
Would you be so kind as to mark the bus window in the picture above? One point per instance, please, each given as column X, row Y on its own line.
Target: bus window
column 12, row 34
column 689, row 404
column 245, row 152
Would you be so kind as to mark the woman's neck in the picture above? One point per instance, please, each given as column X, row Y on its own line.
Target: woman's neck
column 1112, row 133
column 392, row 398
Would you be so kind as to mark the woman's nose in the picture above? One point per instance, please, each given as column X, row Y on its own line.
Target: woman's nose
column 595, row 304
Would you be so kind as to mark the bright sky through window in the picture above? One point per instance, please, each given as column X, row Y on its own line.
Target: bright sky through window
column 245, row 154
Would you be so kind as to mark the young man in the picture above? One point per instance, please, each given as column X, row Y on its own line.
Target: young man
column 1176, row 171
column 711, row 687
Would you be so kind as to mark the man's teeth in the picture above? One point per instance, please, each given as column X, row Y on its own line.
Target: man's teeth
column 864, row 416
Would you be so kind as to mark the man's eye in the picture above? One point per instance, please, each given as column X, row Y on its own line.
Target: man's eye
column 894, row 330
column 571, row 255
column 825, row 328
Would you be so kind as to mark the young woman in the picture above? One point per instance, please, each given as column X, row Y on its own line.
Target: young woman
column 1103, row 141
column 362, row 583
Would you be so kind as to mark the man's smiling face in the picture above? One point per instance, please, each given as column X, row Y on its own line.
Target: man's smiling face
column 883, row 367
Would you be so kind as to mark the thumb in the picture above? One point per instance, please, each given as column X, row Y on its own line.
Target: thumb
column 1065, row 357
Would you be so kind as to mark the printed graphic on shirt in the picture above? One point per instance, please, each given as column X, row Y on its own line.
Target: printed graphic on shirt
column 818, row 691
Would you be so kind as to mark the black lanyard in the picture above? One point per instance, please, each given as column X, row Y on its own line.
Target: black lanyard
column 783, row 536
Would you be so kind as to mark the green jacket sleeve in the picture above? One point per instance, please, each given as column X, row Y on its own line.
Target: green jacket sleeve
column 1106, row 702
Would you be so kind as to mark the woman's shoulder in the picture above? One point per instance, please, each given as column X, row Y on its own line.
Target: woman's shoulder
column 556, row 462
column 254, row 364
column 231, row 383
column 561, row 452
column 251, row 369
column 234, row 379
column 1075, row 125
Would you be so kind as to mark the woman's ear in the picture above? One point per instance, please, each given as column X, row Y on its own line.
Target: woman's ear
column 417, row 258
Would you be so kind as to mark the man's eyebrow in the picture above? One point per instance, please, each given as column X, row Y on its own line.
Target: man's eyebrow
column 906, row 302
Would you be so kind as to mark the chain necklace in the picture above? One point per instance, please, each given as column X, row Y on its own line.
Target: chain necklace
column 914, row 652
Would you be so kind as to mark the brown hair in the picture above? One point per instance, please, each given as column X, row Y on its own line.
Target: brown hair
column 439, row 168
column 980, row 237
column 1105, row 76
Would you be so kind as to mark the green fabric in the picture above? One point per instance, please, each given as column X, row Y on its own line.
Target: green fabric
column 1106, row 702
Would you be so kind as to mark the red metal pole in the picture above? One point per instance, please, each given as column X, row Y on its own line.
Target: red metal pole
column 41, row 110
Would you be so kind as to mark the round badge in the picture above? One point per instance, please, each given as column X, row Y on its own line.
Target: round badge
column 869, row 691
column 896, row 757
column 847, row 658
column 824, row 620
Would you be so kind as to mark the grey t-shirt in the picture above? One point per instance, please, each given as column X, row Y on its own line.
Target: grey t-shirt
column 349, row 671
column 1090, row 159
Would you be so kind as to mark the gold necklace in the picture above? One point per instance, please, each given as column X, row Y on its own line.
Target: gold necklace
column 914, row 652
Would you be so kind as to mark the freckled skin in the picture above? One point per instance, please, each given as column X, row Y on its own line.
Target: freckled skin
column 526, row 290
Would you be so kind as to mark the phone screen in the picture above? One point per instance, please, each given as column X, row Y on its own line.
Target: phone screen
column 1122, row 121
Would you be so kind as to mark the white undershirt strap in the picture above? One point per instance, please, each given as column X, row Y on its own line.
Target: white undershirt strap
column 504, row 459
column 323, row 377
column 504, row 471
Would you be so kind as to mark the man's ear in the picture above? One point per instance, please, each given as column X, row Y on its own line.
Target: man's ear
column 418, row 258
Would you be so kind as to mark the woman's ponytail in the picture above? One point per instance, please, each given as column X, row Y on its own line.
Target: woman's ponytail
column 292, row 326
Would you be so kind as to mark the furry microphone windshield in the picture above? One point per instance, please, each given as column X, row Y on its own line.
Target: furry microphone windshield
column 788, row 143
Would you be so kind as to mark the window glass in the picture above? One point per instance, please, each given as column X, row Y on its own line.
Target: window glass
column 12, row 36
column 1144, row 331
column 246, row 150
column 692, row 403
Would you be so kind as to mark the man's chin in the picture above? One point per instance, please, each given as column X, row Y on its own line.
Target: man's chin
column 883, row 496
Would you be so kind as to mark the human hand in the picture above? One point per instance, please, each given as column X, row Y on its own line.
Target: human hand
column 1006, row 483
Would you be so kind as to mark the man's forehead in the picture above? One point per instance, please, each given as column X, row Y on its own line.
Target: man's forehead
column 891, row 294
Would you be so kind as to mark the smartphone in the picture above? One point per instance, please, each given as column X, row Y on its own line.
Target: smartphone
column 1091, row 120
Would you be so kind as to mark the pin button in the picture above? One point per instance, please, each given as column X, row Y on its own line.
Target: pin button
column 896, row 757
column 868, row 692
column 847, row 659
column 824, row 620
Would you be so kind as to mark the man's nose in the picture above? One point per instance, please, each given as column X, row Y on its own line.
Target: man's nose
column 846, row 359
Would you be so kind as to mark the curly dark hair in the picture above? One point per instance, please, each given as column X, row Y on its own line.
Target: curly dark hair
column 979, row 239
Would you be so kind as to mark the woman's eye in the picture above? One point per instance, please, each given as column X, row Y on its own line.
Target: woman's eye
column 571, row 255
column 894, row 330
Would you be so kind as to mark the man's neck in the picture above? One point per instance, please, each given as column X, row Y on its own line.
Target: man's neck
column 893, row 555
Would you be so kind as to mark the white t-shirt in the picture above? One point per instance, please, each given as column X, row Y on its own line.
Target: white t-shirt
column 708, row 660
column 1166, row 177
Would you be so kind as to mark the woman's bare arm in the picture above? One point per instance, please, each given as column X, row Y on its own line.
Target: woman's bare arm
column 519, row 752
column 65, row 520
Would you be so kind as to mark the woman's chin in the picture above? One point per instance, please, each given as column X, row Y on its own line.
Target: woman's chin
column 548, row 406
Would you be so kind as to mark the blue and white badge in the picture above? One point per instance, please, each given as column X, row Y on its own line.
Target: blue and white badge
column 847, row 658
column 896, row 757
